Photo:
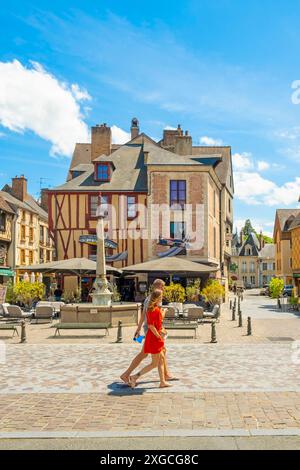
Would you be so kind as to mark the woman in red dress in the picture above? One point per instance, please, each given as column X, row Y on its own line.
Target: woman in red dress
column 154, row 342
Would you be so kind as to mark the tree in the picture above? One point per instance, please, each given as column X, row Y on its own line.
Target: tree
column 174, row 293
column 213, row 292
column 276, row 287
column 247, row 229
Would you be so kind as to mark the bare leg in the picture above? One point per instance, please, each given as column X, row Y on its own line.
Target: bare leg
column 168, row 375
column 134, row 364
column 161, row 371
column 154, row 363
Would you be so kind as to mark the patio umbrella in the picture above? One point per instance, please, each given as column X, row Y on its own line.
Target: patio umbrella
column 173, row 265
column 32, row 278
column 40, row 278
column 77, row 266
column 26, row 277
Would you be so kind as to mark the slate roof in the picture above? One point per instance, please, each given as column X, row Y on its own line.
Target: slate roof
column 283, row 215
column 268, row 251
column 251, row 240
column 129, row 175
column 29, row 204
column 4, row 206
column 130, row 172
column 295, row 223
column 224, row 169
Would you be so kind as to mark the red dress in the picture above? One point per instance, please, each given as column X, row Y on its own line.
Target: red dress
column 154, row 345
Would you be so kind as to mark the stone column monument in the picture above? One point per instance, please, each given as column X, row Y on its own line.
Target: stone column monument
column 101, row 295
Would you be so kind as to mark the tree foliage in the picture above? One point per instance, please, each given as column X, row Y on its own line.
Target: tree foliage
column 174, row 293
column 213, row 292
column 26, row 292
column 276, row 287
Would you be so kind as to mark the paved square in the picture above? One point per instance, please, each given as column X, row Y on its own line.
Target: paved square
column 240, row 385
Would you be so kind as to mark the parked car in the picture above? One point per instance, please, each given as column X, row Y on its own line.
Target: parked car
column 287, row 291
column 265, row 290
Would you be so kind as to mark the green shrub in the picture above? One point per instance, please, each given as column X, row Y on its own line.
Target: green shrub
column 26, row 292
column 276, row 287
column 174, row 293
column 213, row 292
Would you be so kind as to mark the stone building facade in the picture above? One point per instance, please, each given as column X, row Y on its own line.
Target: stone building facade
column 253, row 261
column 29, row 235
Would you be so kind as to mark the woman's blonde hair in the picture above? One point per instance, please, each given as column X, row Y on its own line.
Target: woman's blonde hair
column 155, row 299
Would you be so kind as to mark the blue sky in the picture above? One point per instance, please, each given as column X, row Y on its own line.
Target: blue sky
column 224, row 69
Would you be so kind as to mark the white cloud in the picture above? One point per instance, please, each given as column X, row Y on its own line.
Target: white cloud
column 242, row 161
column 253, row 189
column 119, row 136
column 205, row 140
column 80, row 94
column 33, row 99
column 262, row 165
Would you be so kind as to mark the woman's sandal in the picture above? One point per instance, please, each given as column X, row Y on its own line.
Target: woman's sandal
column 132, row 381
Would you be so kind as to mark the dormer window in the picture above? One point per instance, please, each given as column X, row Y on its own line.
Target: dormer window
column 102, row 172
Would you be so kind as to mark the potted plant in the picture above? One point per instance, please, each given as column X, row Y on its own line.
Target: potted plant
column 175, row 294
column 213, row 292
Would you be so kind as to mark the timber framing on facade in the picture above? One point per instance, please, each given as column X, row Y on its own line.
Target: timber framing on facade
column 131, row 179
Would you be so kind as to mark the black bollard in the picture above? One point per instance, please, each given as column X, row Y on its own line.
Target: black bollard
column 230, row 304
column 213, row 333
column 240, row 320
column 249, row 327
column 233, row 314
column 119, row 334
column 23, row 332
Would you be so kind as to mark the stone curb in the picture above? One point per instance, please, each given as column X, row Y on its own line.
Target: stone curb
column 202, row 432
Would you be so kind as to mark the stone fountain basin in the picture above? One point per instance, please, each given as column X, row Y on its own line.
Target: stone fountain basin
column 127, row 312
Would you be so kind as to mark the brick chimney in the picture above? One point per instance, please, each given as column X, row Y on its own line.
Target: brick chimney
column 183, row 144
column 135, row 129
column 19, row 187
column 101, row 141
column 44, row 199
column 169, row 138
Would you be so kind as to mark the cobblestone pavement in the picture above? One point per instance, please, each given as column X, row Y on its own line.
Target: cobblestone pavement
column 249, row 384
column 152, row 412
column 91, row 368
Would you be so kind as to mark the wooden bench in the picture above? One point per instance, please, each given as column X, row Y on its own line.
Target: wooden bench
column 9, row 326
column 81, row 326
column 182, row 326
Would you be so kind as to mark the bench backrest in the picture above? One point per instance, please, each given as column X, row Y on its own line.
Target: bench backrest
column 171, row 313
column 195, row 313
column 14, row 311
column 44, row 311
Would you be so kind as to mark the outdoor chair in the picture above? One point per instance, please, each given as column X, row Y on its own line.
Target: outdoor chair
column 43, row 314
column 194, row 314
column 214, row 315
column 3, row 309
column 170, row 314
column 16, row 313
